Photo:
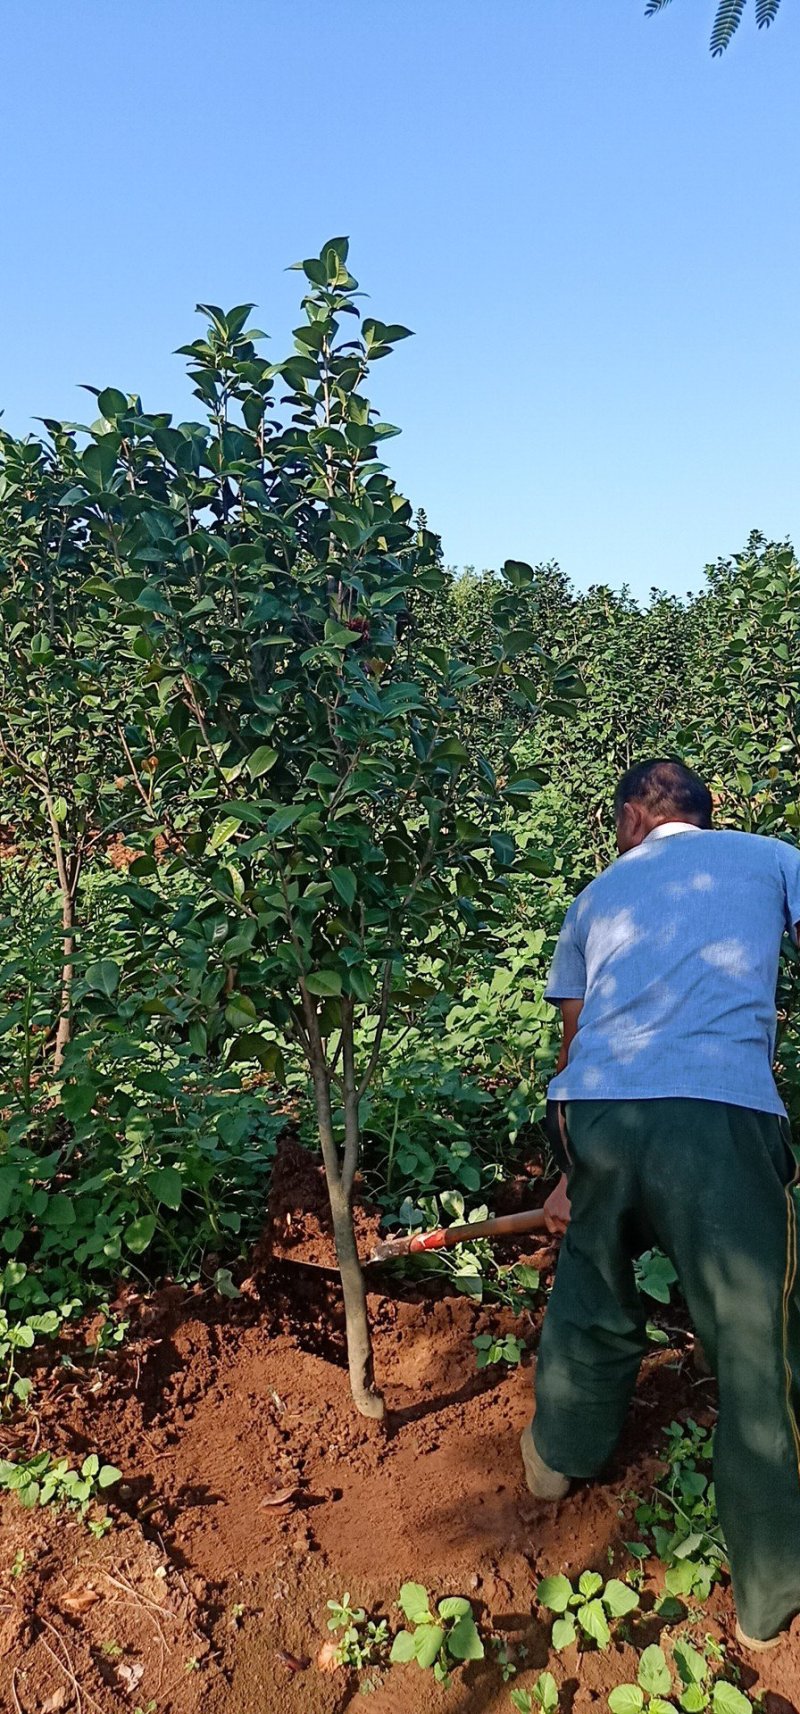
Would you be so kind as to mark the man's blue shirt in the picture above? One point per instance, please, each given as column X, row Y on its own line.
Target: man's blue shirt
column 674, row 951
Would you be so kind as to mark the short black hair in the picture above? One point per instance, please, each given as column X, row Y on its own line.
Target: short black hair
column 665, row 787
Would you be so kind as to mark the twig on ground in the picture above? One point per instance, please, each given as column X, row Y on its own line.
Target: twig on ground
column 17, row 1704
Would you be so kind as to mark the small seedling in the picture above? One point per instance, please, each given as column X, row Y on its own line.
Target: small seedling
column 98, row 1527
column 586, row 1609
column 436, row 1642
column 504, row 1661
column 192, row 1664
column 497, row 1348
column 364, row 1642
column 544, row 1696
column 19, row 1563
column 111, row 1651
column 43, row 1481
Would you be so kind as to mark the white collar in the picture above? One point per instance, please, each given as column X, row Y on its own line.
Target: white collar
column 666, row 828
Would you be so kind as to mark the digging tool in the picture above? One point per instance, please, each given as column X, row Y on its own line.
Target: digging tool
column 442, row 1238
column 447, row 1237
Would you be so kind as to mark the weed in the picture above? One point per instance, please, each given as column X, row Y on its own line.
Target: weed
column 437, row 1642
column 681, row 1516
column 19, row 1563
column 504, row 1661
column 544, row 1696
column 497, row 1348
column 98, row 1527
column 44, row 1481
column 111, row 1650
column 587, row 1609
column 364, row 1642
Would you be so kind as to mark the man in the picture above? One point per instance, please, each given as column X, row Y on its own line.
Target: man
column 675, row 1135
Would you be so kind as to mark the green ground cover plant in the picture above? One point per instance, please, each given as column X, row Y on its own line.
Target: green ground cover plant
column 438, row 1640
column 587, row 1611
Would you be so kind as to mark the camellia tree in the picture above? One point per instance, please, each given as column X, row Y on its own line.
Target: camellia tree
column 62, row 792
column 332, row 834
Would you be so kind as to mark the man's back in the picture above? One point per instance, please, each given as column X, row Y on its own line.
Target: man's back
column 674, row 951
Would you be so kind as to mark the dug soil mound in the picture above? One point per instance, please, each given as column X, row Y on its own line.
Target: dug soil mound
column 252, row 1495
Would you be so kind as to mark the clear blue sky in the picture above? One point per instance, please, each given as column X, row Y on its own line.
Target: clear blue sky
column 591, row 225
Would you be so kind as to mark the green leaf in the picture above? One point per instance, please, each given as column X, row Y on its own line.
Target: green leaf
column 285, row 818
column 414, row 1602
column 107, row 1475
column 654, row 1674
column 261, row 761
column 402, row 1647
column 726, row 1699
column 167, row 1186
column 345, row 883
column 140, row 1233
column 463, row 1642
column 694, row 1699
column 619, row 1598
column 589, row 1582
column 626, row 1699
column 428, row 1640
column 593, row 1621
column 555, row 1593
column 103, row 977
column 564, row 1633
column 111, row 402
column 545, row 1692
column 692, row 1666
column 324, row 982
column 453, row 1607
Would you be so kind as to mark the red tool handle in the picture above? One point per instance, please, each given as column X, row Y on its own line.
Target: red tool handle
column 447, row 1237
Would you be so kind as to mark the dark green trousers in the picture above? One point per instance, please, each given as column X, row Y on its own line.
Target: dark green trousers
column 711, row 1185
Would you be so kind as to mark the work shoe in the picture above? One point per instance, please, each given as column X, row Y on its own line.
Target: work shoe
column 759, row 1645
column 544, row 1483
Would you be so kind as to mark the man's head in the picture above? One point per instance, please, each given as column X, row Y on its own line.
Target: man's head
column 655, row 792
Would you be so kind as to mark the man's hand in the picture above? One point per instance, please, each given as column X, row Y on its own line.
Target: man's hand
column 557, row 1208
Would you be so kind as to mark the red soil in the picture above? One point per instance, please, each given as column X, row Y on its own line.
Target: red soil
column 253, row 1494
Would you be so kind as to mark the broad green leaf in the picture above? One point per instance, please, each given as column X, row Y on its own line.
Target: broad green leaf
column 726, row 1699
column 545, row 1692
column 654, row 1674
column 402, row 1647
column 345, row 883
column 555, row 1593
column 680, row 1578
column 103, row 977
column 415, row 1602
column 324, row 982
column 564, row 1633
column 692, row 1666
column 140, row 1233
column 694, row 1699
column 463, row 1642
column 589, row 1582
column 167, row 1186
column 261, row 761
column 107, row 1475
column 592, row 1619
column 626, row 1699
column 619, row 1598
column 453, row 1607
column 428, row 1640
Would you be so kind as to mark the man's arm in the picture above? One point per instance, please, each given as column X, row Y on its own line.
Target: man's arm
column 556, row 1208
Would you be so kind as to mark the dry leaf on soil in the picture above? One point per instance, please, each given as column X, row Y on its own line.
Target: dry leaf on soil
column 54, row 1704
column 79, row 1600
column 328, row 1657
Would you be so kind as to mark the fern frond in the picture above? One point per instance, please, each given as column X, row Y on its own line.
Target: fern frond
column 726, row 23
column 654, row 6
column 766, row 12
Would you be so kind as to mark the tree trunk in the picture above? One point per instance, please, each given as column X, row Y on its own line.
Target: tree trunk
column 366, row 1397
column 64, row 1030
